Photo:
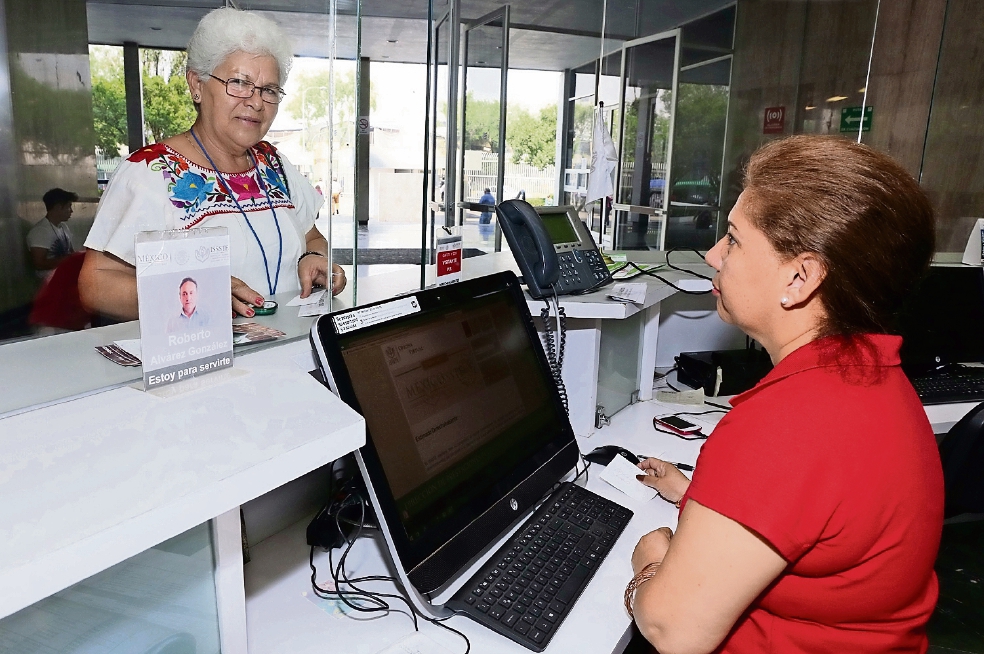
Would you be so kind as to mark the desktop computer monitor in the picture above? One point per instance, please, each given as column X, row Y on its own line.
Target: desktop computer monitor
column 466, row 431
column 942, row 322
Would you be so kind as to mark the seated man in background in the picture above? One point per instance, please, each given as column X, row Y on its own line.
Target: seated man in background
column 50, row 240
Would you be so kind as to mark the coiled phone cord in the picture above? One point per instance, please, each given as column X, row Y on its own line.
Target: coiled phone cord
column 556, row 347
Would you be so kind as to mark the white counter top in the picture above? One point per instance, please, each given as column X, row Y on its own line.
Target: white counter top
column 90, row 482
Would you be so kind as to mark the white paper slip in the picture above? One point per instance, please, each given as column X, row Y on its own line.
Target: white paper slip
column 634, row 292
column 694, row 284
column 314, row 298
column 621, row 474
column 319, row 308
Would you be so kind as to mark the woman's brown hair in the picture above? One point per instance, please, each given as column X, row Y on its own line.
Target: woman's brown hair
column 858, row 210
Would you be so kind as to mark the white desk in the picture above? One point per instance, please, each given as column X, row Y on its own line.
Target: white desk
column 283, row 615
column 90, row 482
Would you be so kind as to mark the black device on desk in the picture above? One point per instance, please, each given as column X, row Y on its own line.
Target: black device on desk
column 466, row 434
column 942, row 328
column 553, row 248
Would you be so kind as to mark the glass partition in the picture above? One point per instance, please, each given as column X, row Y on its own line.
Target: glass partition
column 161, row 600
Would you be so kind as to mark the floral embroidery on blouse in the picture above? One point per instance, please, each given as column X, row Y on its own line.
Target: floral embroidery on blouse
column 199, row 191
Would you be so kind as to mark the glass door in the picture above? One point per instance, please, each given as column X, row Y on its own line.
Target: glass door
column 440, row 131
column 649, row 74
column 694, row 211
column 485, row 57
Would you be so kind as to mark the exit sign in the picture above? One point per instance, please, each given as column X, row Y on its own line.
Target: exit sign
column 851, row 118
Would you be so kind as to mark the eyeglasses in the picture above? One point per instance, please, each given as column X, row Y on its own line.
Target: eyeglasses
column 240, row 88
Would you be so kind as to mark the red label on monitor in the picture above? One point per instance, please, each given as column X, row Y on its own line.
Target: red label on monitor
column 775, row 120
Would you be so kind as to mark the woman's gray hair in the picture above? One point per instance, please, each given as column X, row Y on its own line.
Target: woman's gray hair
column 225, row 30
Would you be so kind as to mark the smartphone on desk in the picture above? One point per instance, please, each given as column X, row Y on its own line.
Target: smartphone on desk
column 677, row 425
column 553, row 247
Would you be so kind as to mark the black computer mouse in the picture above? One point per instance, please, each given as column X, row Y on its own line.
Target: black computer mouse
column 603, row 455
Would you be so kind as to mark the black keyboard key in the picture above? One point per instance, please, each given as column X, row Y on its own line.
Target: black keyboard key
column 511, row 619
column 573, row 585
column 522, row 627
column 483, row 607
column 544, row 626
column 496, row 612
column 537, row 636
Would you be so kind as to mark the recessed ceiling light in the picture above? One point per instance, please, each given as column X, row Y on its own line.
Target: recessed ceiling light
column 156, row 29
column 386, row 56
column 808, row 107
column 862, row 89
column 392, row 41
column 836, row 98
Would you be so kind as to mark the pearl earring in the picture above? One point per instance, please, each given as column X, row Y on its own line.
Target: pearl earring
column 784, row 301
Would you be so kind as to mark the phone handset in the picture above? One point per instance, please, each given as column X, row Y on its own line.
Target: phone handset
column 536, row 257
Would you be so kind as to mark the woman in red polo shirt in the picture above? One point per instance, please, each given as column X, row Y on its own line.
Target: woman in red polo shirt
column 814, row 514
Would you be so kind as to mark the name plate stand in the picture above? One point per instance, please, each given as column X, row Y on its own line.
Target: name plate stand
column 183, row 289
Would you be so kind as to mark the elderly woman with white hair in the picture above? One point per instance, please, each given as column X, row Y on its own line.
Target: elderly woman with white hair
column 218, row 173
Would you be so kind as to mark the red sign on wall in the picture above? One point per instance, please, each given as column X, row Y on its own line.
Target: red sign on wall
column 775, row 120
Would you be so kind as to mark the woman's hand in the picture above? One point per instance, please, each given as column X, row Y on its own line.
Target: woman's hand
column 312, row 270
column 651, row 548
column 670, row 483
column 241, row 294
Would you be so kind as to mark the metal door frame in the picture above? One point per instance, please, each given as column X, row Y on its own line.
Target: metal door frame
column 502, row 14
column 630, row 208
column 432, row 205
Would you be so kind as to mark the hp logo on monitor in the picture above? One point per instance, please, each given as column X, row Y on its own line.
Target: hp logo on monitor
column 514, row 504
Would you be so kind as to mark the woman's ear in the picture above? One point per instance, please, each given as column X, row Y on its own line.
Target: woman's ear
column 807, row 272
column 194, row 85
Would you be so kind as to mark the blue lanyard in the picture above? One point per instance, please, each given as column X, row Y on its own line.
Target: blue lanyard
column 280, row 253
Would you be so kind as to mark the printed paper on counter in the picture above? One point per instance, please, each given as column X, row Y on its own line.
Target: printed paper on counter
column 314, row 298
column 634, row 292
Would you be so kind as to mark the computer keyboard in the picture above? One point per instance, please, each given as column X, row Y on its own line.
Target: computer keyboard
column 961, row 385
column 526, row 589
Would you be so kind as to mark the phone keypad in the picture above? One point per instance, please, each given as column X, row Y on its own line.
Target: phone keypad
column 580, row 269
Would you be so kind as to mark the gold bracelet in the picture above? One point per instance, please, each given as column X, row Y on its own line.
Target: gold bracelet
column 644, row 575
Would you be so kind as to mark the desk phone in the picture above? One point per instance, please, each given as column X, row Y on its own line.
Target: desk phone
column 553, row 248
